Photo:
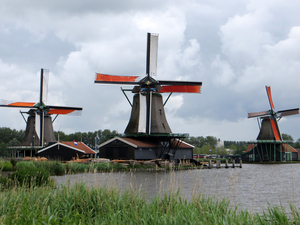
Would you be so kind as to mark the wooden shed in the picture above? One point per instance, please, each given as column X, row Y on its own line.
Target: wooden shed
column 138, row 149
column 66, row 150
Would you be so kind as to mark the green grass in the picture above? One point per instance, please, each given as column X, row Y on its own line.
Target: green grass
column 29, row 197
column 89, row 205
column 5, row 166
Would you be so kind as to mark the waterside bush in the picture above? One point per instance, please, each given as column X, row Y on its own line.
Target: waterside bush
column 5, row 166
column 89, row 205
column 26, row 174
column 72, row 167
column 53, row 167
column 30, row 177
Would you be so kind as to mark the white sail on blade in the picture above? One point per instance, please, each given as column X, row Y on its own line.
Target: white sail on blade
column 45, row 84
column 37, row 124
column 153, row 54
column 142, row 114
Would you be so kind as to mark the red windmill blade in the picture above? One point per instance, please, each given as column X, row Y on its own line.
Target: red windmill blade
column 6, row 103
column 268, row 89
column 148, row 86
column 269, row 126
column 114, row 79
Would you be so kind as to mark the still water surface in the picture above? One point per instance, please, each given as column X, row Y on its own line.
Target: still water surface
column 253, row 187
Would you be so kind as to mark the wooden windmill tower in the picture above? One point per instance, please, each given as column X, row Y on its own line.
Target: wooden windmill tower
column 39, row 124
column 148, row 120
column 269, row 145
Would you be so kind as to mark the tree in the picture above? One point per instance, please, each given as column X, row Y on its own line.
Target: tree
column 221, row 150
column 205, row 149
column 3, row 151
column 297, row 143
column 240, row 150
column 212, row 141
column 14, row 142
column 287, row 137
column 233, row 147
column 196, row 141
column 7, row 134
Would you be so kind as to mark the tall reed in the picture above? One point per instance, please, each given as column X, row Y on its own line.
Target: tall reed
column 80, row 204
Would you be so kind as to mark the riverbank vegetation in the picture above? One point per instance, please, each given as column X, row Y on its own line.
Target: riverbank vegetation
column 81, row 204
column 30, row 196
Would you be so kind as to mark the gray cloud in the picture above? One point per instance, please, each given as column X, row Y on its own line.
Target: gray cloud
column 234, row 47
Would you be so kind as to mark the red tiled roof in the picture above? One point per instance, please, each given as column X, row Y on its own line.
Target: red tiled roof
column 250, row 147
column 140, row 143
column 288, row 148
column 80, row 145
column 182, row 144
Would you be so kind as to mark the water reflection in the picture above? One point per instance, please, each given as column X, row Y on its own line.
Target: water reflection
column 253, row 187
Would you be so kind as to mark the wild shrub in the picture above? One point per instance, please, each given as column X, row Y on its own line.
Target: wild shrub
column 14, row 163
column 135, row 166
column 24, row 165
column 54, row 167
column 108, row 167
column 101, row 167
column 30, row 176
column 72, row 167
column 5, row 182
column 6, row 166
column 58, row 169
column 118, row 166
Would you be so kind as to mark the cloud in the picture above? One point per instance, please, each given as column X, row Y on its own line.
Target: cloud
column 234, row 47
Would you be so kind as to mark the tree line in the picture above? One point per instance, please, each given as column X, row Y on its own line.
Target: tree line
column 203, row 145
column 209, row 145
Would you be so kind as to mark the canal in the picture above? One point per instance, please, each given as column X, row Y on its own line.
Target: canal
column 253, row 187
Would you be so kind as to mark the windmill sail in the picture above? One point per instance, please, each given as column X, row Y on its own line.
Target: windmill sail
column 147, row 115
column 38, row 125
column 114, row 79
column 142, row 114
column 45, row 80
column 269, row 129
column 7, row 103
column 152, row 54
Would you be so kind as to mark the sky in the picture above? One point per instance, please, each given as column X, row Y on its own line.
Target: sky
column 235, row 47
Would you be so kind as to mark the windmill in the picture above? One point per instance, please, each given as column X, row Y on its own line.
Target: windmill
column 269, row 129
column 147, row 114
column 148, row 123
column 39, row 128
column 269, row 145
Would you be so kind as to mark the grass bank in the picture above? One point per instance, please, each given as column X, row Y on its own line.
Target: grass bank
column 80, row 204
column 58, row 168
